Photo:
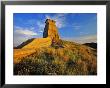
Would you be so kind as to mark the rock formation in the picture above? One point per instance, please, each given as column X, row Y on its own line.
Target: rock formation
column 51, row 31
column 50, row 37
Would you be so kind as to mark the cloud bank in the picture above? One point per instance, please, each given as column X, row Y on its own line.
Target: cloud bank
column 22, row 34
column 83, row 39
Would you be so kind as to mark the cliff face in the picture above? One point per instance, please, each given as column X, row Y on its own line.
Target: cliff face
column 51, row 31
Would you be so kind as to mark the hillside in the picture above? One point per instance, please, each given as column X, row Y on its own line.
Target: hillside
column 64, row 58
column 93, row 45
column 35, row 43
column 51, row 55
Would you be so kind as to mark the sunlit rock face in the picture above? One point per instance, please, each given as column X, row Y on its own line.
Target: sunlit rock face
column 51, row 31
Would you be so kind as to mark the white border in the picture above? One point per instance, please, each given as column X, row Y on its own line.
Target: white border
column 101, row 36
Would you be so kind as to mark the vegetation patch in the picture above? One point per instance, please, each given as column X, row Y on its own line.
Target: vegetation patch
column 71, row 59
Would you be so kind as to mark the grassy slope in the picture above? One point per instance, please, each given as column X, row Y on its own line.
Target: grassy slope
column 71, row 59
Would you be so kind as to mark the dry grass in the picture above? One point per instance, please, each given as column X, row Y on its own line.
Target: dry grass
column 39, row 42
column 71, row 59
column 20, row 53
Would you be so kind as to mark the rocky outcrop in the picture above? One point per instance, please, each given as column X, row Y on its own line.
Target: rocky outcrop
column 50, row 38
column 51, row 31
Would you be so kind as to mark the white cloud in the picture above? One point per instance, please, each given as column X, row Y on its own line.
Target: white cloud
column 40, row 25
column 87, row 39
column 76, row 26
column 83, row 39
column 36, row 24
column 30, row 22
column 41, row 31
column 82, row 33
column 59, row 18
column 32, row 28
column 25, row 31
column 23, row 34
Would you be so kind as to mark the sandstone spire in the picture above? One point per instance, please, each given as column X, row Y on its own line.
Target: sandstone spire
column 50, row 37
column 51, row 31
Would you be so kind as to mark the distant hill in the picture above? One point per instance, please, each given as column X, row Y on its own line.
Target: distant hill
column 24, row 43
column 92, row 45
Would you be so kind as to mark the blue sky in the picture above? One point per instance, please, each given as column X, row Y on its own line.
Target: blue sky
column 79, row 27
